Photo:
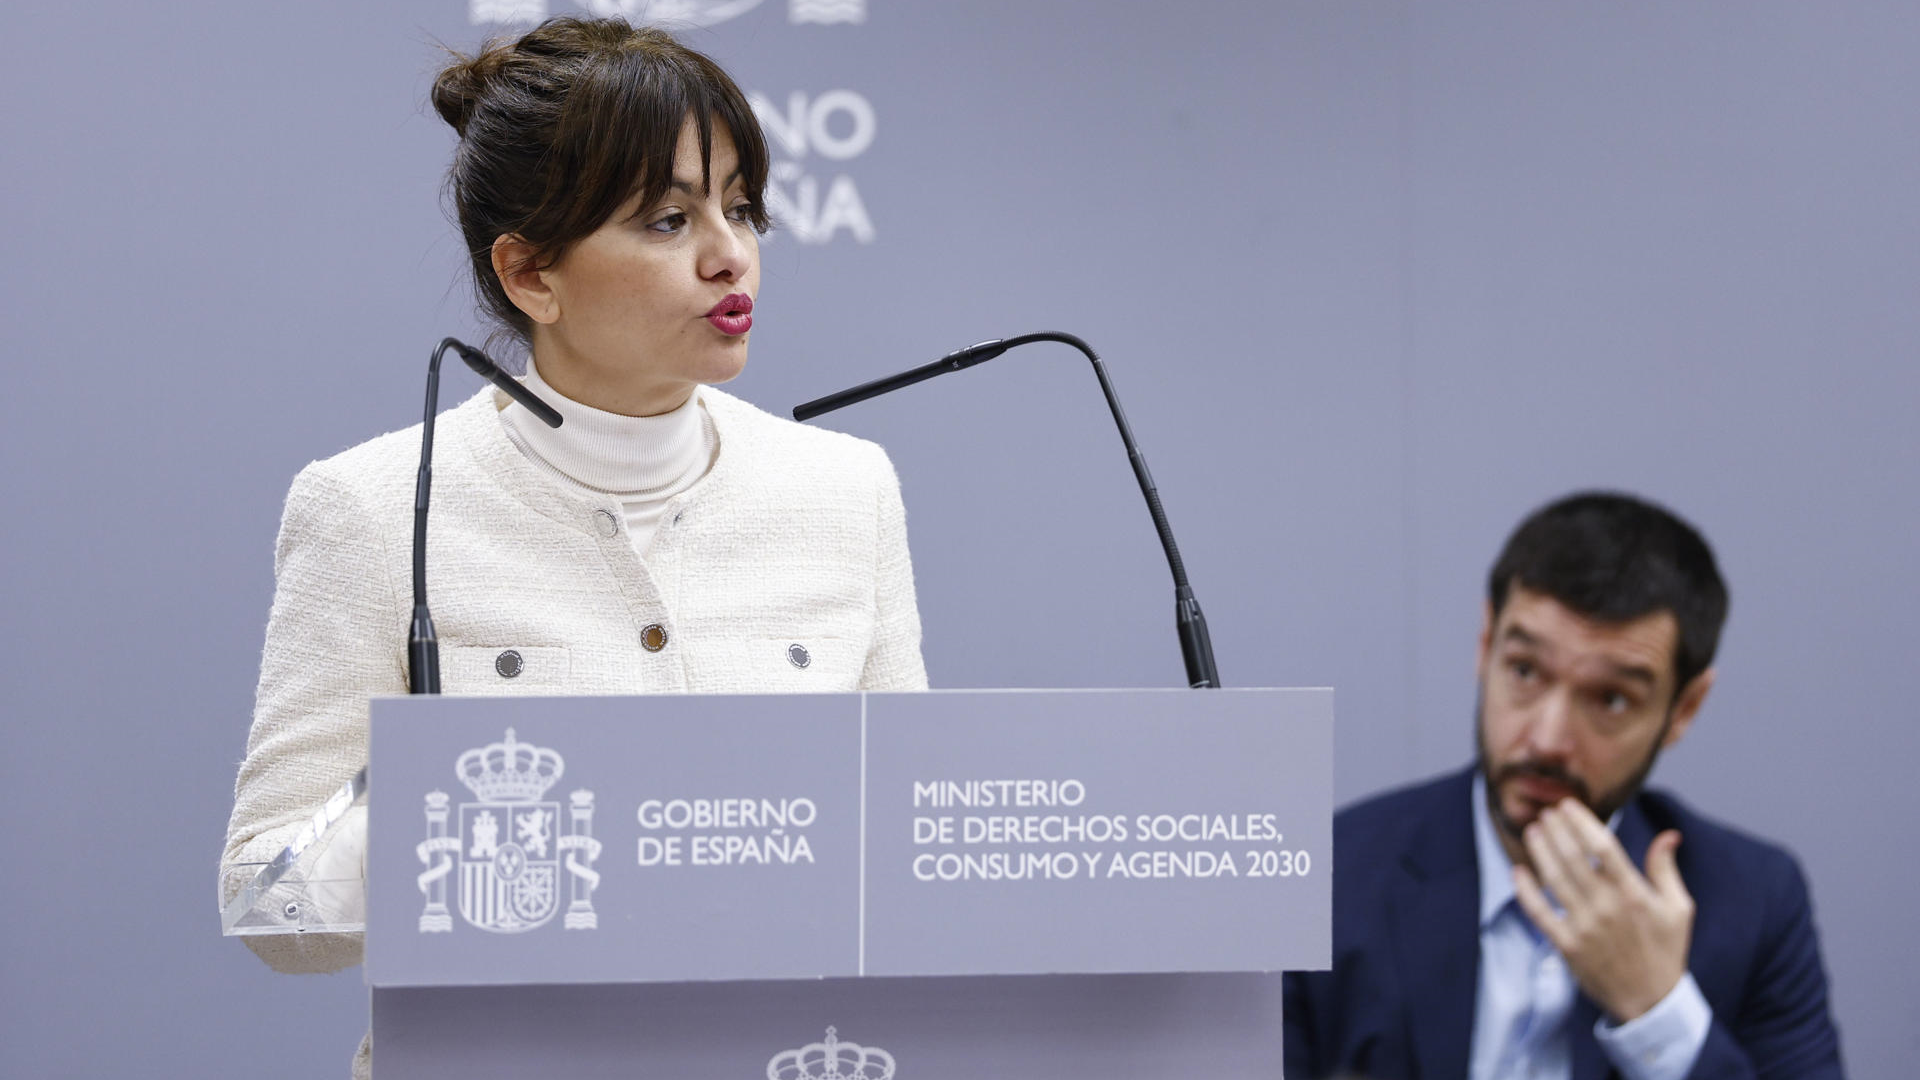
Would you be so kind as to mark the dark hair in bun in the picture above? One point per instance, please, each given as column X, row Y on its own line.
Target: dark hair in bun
column 562, row 125
column 457, row 91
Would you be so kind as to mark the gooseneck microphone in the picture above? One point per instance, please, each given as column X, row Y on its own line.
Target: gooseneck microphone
column 423, row 648
column 1196, row 647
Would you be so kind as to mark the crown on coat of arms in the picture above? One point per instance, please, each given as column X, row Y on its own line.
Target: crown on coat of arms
column 832, row 1059
column 509, row 771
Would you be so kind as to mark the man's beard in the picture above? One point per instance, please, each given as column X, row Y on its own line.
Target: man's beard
column 1603, row 806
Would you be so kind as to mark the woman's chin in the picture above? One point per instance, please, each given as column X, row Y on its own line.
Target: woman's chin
column 724, row 369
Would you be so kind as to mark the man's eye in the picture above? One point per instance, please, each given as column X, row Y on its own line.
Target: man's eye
column 1522, row 669
column 1615, row 702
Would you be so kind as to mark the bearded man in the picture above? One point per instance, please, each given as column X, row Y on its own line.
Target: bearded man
column 1541, row 916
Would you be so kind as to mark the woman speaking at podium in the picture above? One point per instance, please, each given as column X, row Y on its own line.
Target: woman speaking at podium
column 666, row 538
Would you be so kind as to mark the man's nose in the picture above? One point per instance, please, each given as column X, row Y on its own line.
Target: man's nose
column 1550, row 734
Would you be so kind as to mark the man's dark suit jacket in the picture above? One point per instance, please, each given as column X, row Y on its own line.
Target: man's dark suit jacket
column 1398, row 1004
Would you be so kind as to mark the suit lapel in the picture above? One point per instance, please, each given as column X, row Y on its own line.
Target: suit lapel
column 1437, row 932
column 1589, row 1063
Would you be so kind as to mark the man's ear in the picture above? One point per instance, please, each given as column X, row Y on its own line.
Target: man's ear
column 524, row 280
column 1687, row 705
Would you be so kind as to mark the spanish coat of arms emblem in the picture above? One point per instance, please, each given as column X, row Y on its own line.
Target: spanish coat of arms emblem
column 512, row 851
column 832, row 1059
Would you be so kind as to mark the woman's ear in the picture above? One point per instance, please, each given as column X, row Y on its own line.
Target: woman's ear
column 524, row 280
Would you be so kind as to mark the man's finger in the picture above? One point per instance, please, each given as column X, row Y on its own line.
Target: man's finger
column 1526, row 889
column 1603, row 848
column 1549, row 867
column 1663, row 870
column 1579, row 813
column 1576, row 863
column 1567, row 838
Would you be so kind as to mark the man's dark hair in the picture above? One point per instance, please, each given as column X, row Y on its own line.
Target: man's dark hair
column 1614, row 558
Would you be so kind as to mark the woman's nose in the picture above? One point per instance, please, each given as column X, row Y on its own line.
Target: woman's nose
column 727, row 253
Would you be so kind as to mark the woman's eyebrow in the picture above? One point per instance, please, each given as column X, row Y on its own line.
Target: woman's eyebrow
column 692, row 188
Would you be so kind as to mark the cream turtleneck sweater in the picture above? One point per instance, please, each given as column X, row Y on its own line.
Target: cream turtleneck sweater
column 639, row 461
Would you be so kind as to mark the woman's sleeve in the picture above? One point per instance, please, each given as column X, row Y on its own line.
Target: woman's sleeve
column 893, row 663
column 336, row 636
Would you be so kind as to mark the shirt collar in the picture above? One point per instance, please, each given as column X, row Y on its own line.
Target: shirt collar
column 1496, row 870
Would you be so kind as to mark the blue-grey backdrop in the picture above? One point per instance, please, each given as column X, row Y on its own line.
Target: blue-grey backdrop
column 1374, row 277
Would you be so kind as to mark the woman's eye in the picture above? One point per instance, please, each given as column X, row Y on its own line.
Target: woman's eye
column 741, row 212
column 1522, row 670
column 668, row 223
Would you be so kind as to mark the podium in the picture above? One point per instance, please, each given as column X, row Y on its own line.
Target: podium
column 947, row 884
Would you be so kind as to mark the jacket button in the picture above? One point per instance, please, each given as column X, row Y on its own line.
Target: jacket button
column 798, row 656
column 509, row 664
column 653, row 637
column 609, row 525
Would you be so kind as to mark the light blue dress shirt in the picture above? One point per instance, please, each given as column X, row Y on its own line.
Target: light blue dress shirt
column 1525, row 995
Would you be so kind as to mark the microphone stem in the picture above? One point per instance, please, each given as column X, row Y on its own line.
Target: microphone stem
column 1196, row 646
column 423, row 483
column 955, row 361
column 1134, row 457
column 423, row 646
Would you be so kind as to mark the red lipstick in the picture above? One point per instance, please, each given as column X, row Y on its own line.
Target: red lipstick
column 732, row 316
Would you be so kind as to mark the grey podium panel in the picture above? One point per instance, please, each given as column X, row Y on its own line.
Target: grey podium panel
column 677, row 838
column 665, row 903
column 1116, row 1027
column 1098, row 831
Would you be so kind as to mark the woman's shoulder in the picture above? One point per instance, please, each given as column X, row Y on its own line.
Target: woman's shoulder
column 755, row 433
column 392, row 460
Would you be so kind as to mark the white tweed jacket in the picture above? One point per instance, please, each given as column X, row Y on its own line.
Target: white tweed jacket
column 795, row 536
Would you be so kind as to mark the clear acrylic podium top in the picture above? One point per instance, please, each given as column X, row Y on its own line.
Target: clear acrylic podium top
column 301, row 890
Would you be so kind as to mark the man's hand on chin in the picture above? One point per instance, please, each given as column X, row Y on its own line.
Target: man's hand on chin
column 1624, row 936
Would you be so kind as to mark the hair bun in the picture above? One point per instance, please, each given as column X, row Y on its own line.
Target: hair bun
column 458, row 88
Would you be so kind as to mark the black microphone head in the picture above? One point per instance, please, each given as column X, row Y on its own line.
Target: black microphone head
column 483, row 366
column 480, row 362
column 976, row 353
